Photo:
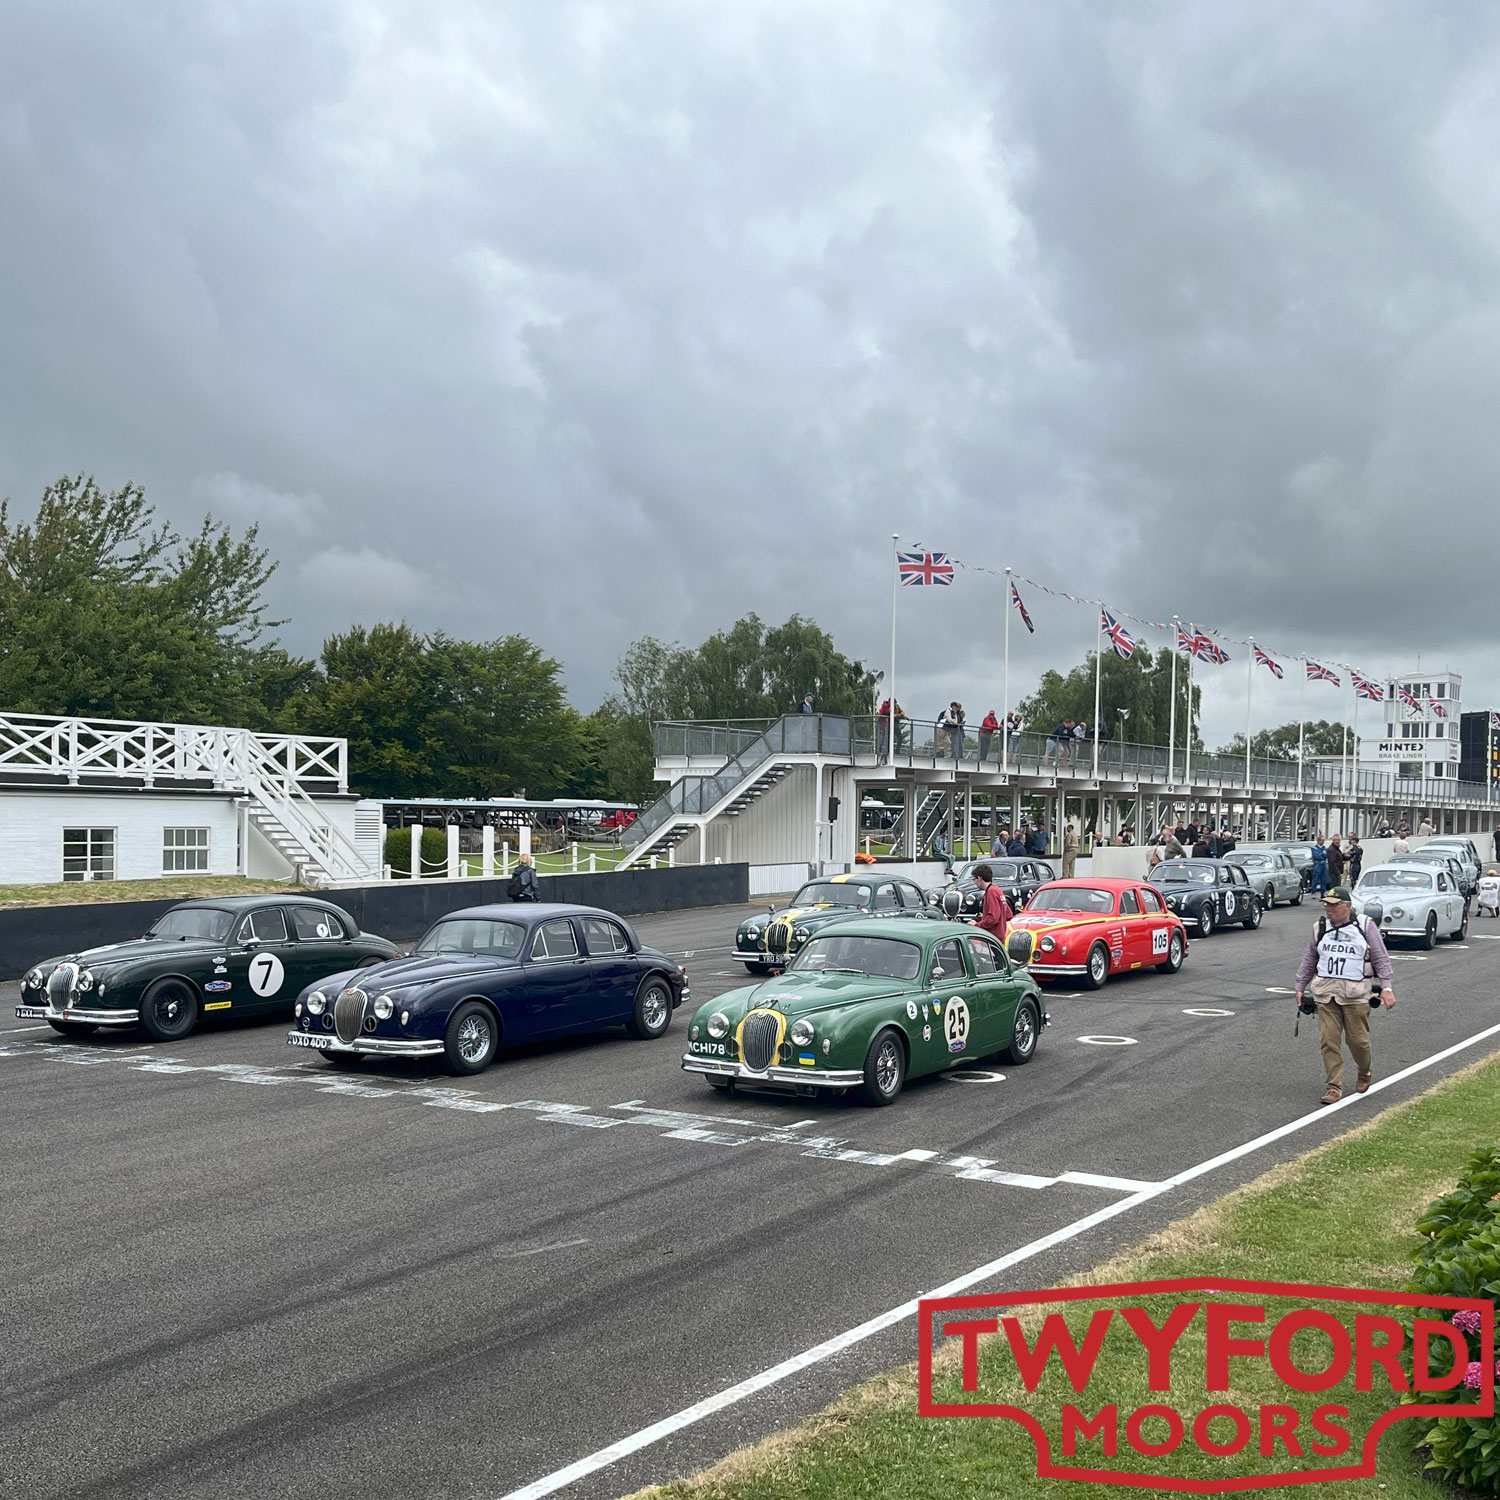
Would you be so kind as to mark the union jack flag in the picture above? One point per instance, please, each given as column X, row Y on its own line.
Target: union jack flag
column 1495, row 721
column 1407, row 699
column 1315, row 673
column 1364, row 688
column 1205, row 648
column 918, row 568
column 1015, row 598
column 1119, row 637
column 1266, row 661
column 1437, row 708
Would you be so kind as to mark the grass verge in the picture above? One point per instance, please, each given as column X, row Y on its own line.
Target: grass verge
column 168, row 888
column 1339, row 1216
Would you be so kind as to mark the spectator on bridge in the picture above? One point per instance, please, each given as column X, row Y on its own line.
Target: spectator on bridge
column 988, row 725
column 1318, row 883
column 1060, row 743
column 995, row 913
column 807, row 704
column 1014, row 724
column 1335, row 861
column 1070, row 851
column 1080, row 737
column 883, row 726
column 1355, row 857
column 948, row 736
column 1037, row 840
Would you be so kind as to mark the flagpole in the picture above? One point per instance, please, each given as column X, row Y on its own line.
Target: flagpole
column 1187, row 754
column 1172, row 715
column 1249, row 694
column 1005, row 684
column 1098, row 677
column 1301, row 730
column 895, row 585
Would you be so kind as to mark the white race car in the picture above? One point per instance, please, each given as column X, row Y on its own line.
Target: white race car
column 1413, row 902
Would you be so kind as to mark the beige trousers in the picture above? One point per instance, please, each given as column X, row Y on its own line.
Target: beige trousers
column 1343, row 1015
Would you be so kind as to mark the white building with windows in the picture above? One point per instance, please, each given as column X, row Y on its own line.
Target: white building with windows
column 1418, row 737
column 105, row 799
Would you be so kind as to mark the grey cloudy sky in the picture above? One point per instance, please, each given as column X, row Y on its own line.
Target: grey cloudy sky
column 596, row 320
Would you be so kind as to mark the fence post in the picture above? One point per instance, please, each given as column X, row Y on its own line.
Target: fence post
column 593, row 861
column 487, row 850
column 416, row 851
column 505, row 861
column 653, row 861
column 575, row 856
column 454, row 868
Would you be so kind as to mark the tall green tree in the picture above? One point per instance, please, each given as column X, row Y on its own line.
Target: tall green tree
column 1323, row 737
column 106, row 611
column 1140, row 684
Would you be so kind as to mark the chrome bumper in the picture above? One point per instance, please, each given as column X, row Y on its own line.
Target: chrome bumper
column 322, row 1041
column 818, row 1078
column 83, row 1017
column 1044, row 971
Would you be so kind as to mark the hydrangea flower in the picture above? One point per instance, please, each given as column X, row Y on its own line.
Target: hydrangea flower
column 1467, row 1321
column 1471, row 1375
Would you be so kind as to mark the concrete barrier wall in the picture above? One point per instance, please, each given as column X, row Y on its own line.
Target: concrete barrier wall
column 399, row 910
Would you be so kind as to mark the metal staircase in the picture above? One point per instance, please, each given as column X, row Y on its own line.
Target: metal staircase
column 931, row 811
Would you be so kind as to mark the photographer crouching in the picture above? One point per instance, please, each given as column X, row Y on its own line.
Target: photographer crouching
column 1344, row 955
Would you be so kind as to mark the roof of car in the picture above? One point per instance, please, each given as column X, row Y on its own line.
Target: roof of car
column 525, row 911
column 903, row 932
column 1102, row 883
column 1199, row 859
column 264, row 898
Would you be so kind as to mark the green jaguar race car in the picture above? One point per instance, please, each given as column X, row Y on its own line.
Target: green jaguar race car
column 867, row 1005
column 766, row 943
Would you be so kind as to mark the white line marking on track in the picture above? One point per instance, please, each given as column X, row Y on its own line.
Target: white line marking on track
column 543, row 1249
column 1276, row 989
column 1206, row 1010
column 1108, row 1041
column 973, row 1075
column 646, row 1437
column 1408, row 958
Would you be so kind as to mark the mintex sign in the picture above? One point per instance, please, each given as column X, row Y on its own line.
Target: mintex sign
column 1236, row 1385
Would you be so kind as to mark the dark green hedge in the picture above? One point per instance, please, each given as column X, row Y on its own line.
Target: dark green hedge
column 434, row 852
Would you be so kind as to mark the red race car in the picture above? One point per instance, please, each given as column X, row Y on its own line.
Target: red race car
column 1094, row 928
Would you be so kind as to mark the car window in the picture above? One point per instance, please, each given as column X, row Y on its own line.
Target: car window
column 1151, row 902
column 194, row 922
column 1239, row 876
column 885, row 897
column 985, row 957
column 950, row 956
column 314, row 925
column 1226, row 877
column 1442, row 881
column 882, row 958
column 911, row 895
column 473, row 935
column 555, row 940
column 1129, row 906
column 1099, row 903
column 604, row 937
column 267, row 925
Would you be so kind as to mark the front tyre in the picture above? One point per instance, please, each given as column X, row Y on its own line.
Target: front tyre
column 653, row 1010
column 885, row 1070
column 1252, row 917
column 73, row 1028
column 1206, row 919
column 1176, row 952
column 1463, row 927
column 1096, row 971
column 1270, row 897
column 1429, row 933
column 1024, row 1031
column 169, row 1010
column 471, row 1039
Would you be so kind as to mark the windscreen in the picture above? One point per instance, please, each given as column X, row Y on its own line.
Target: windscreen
column 194, row 922
column 471, row 935
column 1072, row 898
column 881, row 958
column 1395, row 880
column 1175, row 872
column 829, row 893
column 1001, row 869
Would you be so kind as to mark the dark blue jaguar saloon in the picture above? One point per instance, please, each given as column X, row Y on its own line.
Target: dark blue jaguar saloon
column 491, row 976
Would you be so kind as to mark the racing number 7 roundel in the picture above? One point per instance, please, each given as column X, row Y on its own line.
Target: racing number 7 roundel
column 956, row 1024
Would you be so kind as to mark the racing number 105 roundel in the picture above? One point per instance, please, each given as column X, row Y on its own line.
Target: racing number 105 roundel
column 956, row 1024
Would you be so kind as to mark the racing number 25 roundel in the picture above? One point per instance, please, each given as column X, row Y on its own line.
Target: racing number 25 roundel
column 956, row 1024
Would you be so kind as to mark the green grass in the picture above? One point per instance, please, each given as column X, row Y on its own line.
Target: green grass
column 558, row 862
column 1341, row 1215
column 168, row 888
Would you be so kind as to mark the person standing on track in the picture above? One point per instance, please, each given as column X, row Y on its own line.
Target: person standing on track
column 1070, row 851
column 1335, row 861
column 995, row 913
column 1355, row 854
column 1318, row 884
column 1335, row 966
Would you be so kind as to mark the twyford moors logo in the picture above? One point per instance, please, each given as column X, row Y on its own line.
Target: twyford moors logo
column 1207, row 1385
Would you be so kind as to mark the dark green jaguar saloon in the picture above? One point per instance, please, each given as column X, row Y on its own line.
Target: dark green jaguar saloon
column 237, row 954
column 867, row 1005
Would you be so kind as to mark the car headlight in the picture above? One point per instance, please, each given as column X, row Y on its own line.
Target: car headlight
column 385, row 1007
column 1047, row 944
column 1397, row 911
column 802, row 934
column 85, row 980
column 297, row 1009
column 315, row 1003
column 33, row 979
column 752, row 934
column 802, row 1033
column 693, row 1034
column 718, row 1025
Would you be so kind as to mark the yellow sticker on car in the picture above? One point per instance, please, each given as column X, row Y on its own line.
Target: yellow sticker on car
column 218, row 1004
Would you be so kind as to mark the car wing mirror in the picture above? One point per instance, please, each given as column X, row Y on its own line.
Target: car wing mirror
column 1018, row 946
column 938, row 971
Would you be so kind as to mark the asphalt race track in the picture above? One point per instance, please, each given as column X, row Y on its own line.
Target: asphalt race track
column 232, row 1271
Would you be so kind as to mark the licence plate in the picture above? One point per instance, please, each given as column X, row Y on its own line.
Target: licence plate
column 25, row 1012
column 305, row 1039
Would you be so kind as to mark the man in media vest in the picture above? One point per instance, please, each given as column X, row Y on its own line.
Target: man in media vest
column 1345, row 953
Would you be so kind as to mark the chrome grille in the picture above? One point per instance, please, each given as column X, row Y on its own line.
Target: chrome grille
column 758, row 1038
column 778, row 937
column 349, row 1013
column 62, row 985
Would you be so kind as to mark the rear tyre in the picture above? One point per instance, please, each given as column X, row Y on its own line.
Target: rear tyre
column 885, row 1070
column 1206, row 919
column 1024, row 1033
column 1270, row 898
column 169, row 1010
column 1176, row 952
column 1297, row 899
column 73, row 1028
column 653, row 1010
column 1429, row 934
column 1463, row 927
column 1252, row 921
column 472, row 1038
column 1096, row 971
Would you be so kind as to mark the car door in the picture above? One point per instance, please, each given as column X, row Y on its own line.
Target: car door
column 557, row 993
column 1445, row 903
column 320, row 945
column 1156, row 924
column 1231, row 908
column 996, row 991
column 1135, row 950
column 613, row 967
column 262, row 963
column 953, row 1002
column 913, row 903
column 886, row 902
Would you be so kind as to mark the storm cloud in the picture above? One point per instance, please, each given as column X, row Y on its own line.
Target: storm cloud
column 597, row 320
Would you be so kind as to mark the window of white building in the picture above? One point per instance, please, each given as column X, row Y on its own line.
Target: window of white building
column 88, row 854
column 184, row 851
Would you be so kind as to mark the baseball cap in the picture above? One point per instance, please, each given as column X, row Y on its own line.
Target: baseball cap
column 1338, row 893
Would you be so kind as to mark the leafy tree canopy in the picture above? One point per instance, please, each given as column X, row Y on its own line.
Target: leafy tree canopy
column 1323, row 737
column 1142, row 684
